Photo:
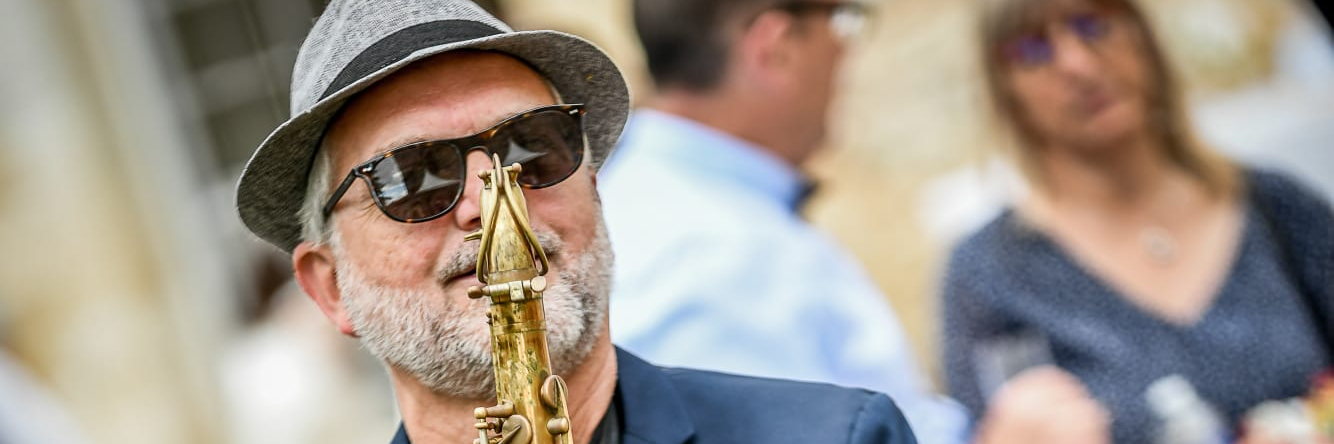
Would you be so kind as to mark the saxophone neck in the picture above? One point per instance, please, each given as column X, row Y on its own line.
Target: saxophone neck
column 512, row 264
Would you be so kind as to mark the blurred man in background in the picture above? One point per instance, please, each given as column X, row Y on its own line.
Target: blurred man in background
column 715, row 266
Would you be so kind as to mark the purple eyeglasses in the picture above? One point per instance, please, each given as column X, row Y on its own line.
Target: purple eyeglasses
column 1036, row 48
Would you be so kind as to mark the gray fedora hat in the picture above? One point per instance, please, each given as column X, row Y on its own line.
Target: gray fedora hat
column 356, row 43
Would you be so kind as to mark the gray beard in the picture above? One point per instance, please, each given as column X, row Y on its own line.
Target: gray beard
column 446, row 345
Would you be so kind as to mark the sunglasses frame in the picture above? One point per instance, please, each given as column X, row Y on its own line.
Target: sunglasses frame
column 838, row 11
column 472, row 142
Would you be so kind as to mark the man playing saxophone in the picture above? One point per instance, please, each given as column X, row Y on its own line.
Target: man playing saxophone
column 425, row 132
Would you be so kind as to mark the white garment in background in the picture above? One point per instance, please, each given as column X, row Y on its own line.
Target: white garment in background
column 716, row 270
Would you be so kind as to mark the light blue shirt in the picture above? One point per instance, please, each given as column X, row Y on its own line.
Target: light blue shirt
column 716, row 270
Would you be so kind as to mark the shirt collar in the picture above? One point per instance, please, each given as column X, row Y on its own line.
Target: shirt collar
column 703, row 149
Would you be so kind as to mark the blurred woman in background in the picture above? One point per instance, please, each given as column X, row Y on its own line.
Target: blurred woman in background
column 1140, row 256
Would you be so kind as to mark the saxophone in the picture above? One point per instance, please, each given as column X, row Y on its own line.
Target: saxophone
column 530, row 401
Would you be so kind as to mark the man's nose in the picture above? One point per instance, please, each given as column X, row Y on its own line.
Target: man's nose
column 468, row 214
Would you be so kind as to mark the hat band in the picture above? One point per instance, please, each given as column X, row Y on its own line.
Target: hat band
column 403, row 43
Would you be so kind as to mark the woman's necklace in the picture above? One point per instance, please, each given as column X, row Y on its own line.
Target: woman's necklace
column 1159, row 244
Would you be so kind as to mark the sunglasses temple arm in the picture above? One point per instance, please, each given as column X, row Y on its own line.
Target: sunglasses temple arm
column 338, row 193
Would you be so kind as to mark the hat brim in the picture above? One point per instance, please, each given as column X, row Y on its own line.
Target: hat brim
column 272, row 187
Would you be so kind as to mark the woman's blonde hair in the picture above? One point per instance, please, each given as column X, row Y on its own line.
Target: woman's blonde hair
column 1002, row 20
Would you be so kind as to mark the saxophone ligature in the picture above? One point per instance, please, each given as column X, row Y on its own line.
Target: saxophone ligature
column 530, row 401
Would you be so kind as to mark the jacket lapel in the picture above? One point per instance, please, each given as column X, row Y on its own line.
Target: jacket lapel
column 653, row 413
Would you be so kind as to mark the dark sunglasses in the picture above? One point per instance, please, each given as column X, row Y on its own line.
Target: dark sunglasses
column 1032, row 49
column 422, row 181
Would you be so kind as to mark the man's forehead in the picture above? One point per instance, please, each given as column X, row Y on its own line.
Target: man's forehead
column 447, row 96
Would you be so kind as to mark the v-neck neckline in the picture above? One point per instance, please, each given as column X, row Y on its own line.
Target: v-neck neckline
column 1108, row 290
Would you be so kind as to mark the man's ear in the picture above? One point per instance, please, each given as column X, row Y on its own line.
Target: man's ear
column 764, row 49
column 314, row 267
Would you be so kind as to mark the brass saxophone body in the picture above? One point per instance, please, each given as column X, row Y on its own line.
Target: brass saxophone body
column 531, row 402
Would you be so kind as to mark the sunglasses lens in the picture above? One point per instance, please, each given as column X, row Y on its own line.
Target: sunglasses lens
column 1029, row 50
column 549, row 144
column 1090, row 27
column 419, row 182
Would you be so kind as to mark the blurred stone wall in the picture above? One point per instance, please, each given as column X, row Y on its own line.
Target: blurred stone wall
column 104, row 299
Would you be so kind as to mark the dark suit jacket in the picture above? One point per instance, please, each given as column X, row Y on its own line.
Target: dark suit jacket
column 676, row 406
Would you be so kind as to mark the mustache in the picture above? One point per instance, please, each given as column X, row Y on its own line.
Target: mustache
column 463, row 260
